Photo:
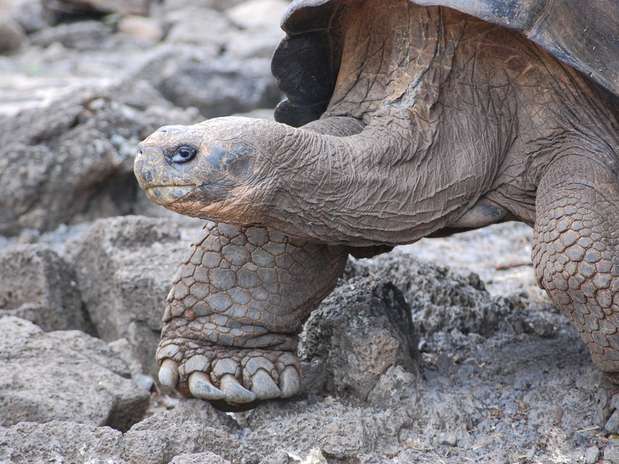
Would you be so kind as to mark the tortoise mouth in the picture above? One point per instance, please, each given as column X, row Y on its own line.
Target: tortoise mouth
column 164, row 186
column 168, row 193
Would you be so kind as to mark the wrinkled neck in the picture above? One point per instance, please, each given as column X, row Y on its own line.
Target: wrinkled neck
column 385, row 184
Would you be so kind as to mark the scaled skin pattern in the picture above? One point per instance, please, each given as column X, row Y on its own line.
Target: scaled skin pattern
column 402, row 121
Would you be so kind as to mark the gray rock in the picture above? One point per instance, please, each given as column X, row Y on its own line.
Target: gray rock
column 72, row 160
column 447, row 417
column 126, row 352
column 219, row 5
column 259, row 24
column 362, row 329
column 193, row 426
column 187, row 26
column 449, row 308
column 278, row 457
column 145, row 382
column 85, row 7
column 199, row 458
column 338, row 430
column 12, row 36
column 38, row 285
column 592, row 455
column 448, row 439
column 611, row 452
column 141, row 95
column 219, row 87
column 29, row 14
column 124, row 268
column 165, row 57
column 58, row 441
column 612, row 425
column 606, row 404
column 63, row 375
column 258, row 15
column 83, row 35
column 144, row 30
column 394, row 386
column 248, row 44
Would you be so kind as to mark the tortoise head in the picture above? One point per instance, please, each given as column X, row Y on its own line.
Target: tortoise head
column 196, row 169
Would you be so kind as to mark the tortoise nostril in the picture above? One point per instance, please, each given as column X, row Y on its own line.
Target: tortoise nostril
column 168, row 129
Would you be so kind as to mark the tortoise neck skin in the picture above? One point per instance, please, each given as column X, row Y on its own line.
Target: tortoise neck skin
column 433, row 111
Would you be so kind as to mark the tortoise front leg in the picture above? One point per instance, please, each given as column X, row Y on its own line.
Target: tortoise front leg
column 236, row 306
column 576, row 252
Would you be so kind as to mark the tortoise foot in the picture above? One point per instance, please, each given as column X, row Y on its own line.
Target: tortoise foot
column 230, row 325
column 227, row 375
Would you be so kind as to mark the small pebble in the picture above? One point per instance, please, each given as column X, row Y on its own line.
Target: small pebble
column 448, row 439
column 144, row 381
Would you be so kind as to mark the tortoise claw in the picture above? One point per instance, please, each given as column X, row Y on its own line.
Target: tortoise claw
column 168, row 373
column 201, row 387
column 264, row 386
column 290, row 382
column 234, row 391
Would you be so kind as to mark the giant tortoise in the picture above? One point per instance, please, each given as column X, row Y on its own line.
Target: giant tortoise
column 403, row 119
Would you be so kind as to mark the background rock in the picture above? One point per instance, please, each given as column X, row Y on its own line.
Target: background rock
column 29, row 443
column 63, row 375
column 140, row 28
column 258, row 21
column 124, row 268
column 258, row 15
column 12, row 36
column 335, row 428
column 29, row 14
column 455, row 308
column 71, row 161
column 81, row 7
column 38, row 285
column 83, row 35
column 187, row 25
column 199, row 458
column 440, row 298
column 193, row 426
column 219, row 5
column 220, row 87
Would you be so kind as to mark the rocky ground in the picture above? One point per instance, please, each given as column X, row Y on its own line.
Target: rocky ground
column 444, row 351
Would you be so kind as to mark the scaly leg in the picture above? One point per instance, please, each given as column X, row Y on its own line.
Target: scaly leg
column 235, row 309
column 576, row 252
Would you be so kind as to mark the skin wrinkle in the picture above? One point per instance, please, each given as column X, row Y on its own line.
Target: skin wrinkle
column 334, row 101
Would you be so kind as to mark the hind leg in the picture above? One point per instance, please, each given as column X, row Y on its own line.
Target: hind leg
column 576, row 252
column 237, row 303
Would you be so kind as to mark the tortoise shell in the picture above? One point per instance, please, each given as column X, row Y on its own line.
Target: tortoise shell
column 581, row 33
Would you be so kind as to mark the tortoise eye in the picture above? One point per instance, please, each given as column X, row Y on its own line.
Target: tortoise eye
column 184, row 153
